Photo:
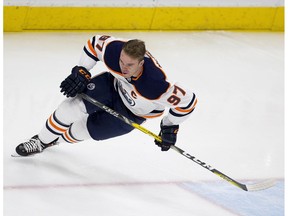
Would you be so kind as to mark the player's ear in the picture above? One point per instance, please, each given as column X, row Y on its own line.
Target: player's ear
column 141, row 62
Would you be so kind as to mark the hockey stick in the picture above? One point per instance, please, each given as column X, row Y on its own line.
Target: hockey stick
column 252, row 187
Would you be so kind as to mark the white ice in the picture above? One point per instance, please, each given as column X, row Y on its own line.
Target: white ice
column 237, row 127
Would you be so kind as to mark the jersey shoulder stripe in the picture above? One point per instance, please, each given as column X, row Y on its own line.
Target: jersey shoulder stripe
column 89, row 54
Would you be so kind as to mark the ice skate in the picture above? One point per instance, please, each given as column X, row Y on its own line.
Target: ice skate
column 33, row 146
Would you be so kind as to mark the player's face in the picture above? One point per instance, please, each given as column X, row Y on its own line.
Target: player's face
column 130, row 66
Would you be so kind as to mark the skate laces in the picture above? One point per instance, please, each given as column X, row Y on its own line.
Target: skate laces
column 33, row 145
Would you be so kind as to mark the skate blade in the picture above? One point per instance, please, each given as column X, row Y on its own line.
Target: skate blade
column 21, row 156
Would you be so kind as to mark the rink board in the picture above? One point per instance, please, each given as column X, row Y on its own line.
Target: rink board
column 21, row 18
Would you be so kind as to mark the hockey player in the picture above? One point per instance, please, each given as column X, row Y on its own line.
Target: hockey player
column 135, row 86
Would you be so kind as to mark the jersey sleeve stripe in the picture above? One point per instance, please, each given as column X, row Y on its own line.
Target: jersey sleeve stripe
column 191, row 102
column 157, row 111
column 183, row 111
column 91, row 48
column 178, row 114
column 90, row 55
column 192, row 105
column 93, row 41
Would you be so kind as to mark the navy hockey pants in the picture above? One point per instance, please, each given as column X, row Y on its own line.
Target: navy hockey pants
column 102, row 125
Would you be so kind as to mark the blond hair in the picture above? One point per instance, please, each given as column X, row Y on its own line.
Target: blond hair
column 135, row 48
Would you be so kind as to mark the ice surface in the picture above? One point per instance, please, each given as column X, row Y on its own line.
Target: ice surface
column 237, row 127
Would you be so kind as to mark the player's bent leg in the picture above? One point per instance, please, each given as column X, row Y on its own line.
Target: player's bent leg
column 69, row 111
column 58, row 124
column 102, row 125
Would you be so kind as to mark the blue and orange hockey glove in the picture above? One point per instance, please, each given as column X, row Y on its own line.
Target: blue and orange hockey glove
column 168, row 135
column 76, row 82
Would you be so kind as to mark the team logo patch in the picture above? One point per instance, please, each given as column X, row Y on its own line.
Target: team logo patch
column 126, row 95
column 91, row 86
